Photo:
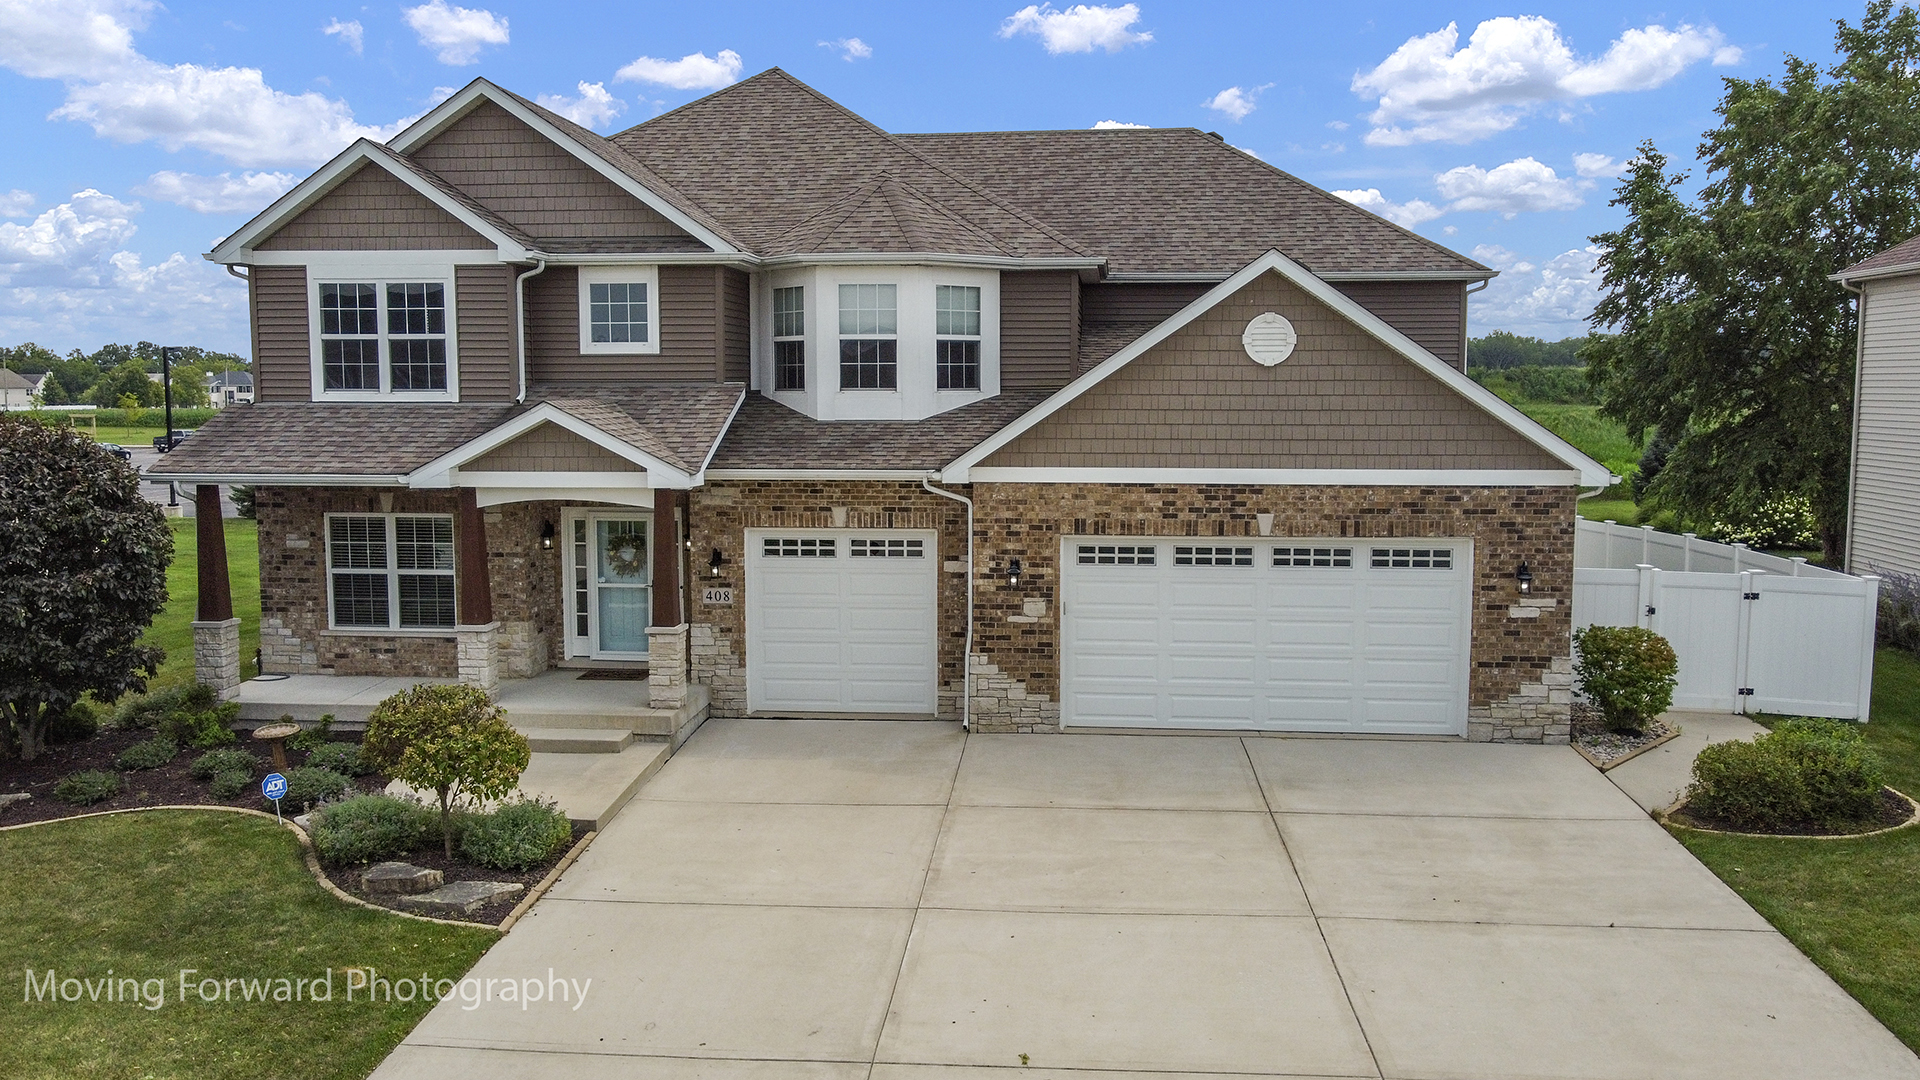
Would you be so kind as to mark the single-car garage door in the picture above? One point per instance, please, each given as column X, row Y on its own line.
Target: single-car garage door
column 841, row 621
column 1274, row 634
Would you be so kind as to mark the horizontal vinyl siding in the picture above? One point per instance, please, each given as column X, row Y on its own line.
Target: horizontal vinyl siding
column 688, row 332
column 1886, row 482
column 483, row 305
column 1432, row 313
column 525, row 178
column 736, row 326
column 282, row 362
column 371, row 210
column 1039, row 311
column 548, row 448
column 1138, row 303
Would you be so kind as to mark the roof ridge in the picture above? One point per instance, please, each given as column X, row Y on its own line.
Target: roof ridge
column 938, row 207
column 844, row 206
column 685, row 105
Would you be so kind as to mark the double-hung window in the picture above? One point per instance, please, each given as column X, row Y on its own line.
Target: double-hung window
column 382, row 337
column 789, row 338
column 869, row 337
column 956, row 327
column 390, row 571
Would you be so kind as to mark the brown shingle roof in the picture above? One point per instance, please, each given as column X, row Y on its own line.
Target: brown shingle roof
column 677, row 423
column 768, row 435
column 1907, row 251
column 885, row 215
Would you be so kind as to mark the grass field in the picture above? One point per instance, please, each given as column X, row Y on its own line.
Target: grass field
column 148, row 895
column 173, row 628
column 1851, row 905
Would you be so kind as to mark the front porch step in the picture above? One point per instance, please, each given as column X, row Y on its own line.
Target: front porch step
column 559, row 740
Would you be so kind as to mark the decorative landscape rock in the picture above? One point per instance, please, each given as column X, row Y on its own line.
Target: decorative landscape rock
column 400, row 878
column 461, row 897
column 15, row 797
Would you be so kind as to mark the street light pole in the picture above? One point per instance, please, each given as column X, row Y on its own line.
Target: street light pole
column 166, row 399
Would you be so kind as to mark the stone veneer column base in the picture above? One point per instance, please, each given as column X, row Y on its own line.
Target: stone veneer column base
column 216, row 656
column 718, row 668
column 479, row 656
column 667, row 666
column 1541, row 712
column 1002, row 703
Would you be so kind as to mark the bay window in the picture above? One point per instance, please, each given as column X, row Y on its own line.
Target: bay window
column 869, row 337
column 956, row 328
column 789, row 338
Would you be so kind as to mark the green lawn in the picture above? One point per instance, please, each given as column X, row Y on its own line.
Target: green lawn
column 173, row 629
column 1851, row 905
column 1604, row 440
column 146, row 895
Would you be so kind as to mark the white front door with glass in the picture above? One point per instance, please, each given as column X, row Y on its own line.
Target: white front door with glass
column 609, row 576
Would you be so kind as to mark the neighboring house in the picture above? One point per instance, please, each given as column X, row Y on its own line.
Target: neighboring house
column 16, row 390
column 1042, row 429
column 230, row 388
column 1883, row 514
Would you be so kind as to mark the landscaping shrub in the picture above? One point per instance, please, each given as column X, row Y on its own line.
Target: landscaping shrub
column 204, row 729
column 1803, row 773
column 214, row 762
column 147, row 710
column 1899, row 624
column 311, row 737
column 451, row 740
column 78, row 721
column 147, row 754
column 517, row 836
column 307, row 788
column 367, row 828
column 1627, row 672
column 341, row 757
column 230, row 783
column 87, row 788
column 1785, row 522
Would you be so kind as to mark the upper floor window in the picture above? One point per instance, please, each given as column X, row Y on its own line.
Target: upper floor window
column 404, row 351
column 869, row 337
column 956, row 328
column 619, row 309
column 789, row 338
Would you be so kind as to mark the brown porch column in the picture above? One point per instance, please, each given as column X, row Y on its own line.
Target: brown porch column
column 216, row 633
column 479, row 658
column 666, row 559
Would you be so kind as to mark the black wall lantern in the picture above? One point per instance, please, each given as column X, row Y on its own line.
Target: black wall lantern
column 1013, row 573
column 713, row 565
column 546, row 536
column 1525, row 578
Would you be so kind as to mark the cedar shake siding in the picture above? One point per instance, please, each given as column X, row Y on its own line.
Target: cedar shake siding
column 483, row 312
column 1343, row 400
column 282, row 363
column 540, row 187
column 1432, row 313
column 693, row 345
column 550, row 448
column 372, row 210
column 1039, row 311
column 736, row 325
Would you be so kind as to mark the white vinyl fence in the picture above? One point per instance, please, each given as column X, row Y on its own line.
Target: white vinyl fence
column 1754, row 632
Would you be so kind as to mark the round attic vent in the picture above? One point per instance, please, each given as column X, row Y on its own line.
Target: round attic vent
column 1269, row 339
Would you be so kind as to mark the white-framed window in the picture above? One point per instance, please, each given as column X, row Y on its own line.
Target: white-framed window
column 956, row 328
column 1115, row 555
column 790, row 338
column 619, row 309
column 384, row 337
column 390, row 571
column 869, row 337
column 861, row 547
column 1412, row 558
column 798, row 547
column 1328, row 557
column 1212, row 555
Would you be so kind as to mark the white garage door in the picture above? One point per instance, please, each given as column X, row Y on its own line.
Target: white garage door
column 1278, row 635
column 841, row 621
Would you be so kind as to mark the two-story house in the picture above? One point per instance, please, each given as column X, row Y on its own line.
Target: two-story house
column 1082, row 429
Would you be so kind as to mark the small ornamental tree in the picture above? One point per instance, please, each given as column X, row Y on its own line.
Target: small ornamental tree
column 450, row 740
column 1628, row 672
column 83, row 572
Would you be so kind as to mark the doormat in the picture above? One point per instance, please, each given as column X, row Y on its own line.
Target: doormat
column 623, row 674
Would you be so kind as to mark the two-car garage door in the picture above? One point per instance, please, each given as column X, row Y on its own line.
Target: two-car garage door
column 1283, row 635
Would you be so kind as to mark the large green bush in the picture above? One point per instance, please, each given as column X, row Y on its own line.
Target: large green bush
column 1628, row 672
column 1804, row 773
column 202, row 730
column 517, row 836
column 368, row 828
column 450, row 740
column 308, row 788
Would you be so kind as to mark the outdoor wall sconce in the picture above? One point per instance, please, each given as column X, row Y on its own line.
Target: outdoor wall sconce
column 714, row 564
column 1525, row 578
column 546, row 536
column 1013, row 574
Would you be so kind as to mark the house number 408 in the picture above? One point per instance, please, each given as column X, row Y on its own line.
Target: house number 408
column 717, row 595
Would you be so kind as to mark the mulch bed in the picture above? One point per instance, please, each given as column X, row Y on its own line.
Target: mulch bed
column 434, row 858
column 1591, row 733
column 1894, row 809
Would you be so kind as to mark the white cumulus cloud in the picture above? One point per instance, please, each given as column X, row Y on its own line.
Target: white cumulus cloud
column 249, row 193
column 1434, row 90
column 350, row 32
column 1113, row 125
column 457, row 34
column 1516, row 187
column 17, row 203
column 1406, row 214
column 594, row 107
column 850, row 49
column 1235, row 103
column 1548, row 300
column 695, row 71
column 1080, row 28
column 1592, row 166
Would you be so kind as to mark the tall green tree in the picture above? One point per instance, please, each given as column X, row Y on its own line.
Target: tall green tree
column 1726, row 332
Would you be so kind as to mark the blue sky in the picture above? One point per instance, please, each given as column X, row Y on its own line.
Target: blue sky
column 142, row 132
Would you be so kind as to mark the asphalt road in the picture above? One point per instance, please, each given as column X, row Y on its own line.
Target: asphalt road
column 143, row 459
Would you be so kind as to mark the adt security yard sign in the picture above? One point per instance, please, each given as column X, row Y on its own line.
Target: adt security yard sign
column 274, row 787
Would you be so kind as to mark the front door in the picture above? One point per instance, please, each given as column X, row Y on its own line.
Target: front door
column 610, row 574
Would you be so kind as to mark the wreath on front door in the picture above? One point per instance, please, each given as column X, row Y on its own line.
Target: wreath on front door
column 628, row 557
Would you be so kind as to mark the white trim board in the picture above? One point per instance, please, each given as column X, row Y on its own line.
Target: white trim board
column 1591, row 472
column 1477, row 478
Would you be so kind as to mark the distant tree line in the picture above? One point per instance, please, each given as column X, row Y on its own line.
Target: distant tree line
column 115, row 376
column 1500, row 350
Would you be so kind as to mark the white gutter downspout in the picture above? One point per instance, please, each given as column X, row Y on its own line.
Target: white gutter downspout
column 1853, row 450
column 520, row 316
column 966, row 658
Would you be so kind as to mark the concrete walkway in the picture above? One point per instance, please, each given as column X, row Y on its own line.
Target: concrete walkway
column 898, row 901
column 1657, row 778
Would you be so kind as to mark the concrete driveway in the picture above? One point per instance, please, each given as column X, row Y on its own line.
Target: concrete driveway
column 900, row 901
